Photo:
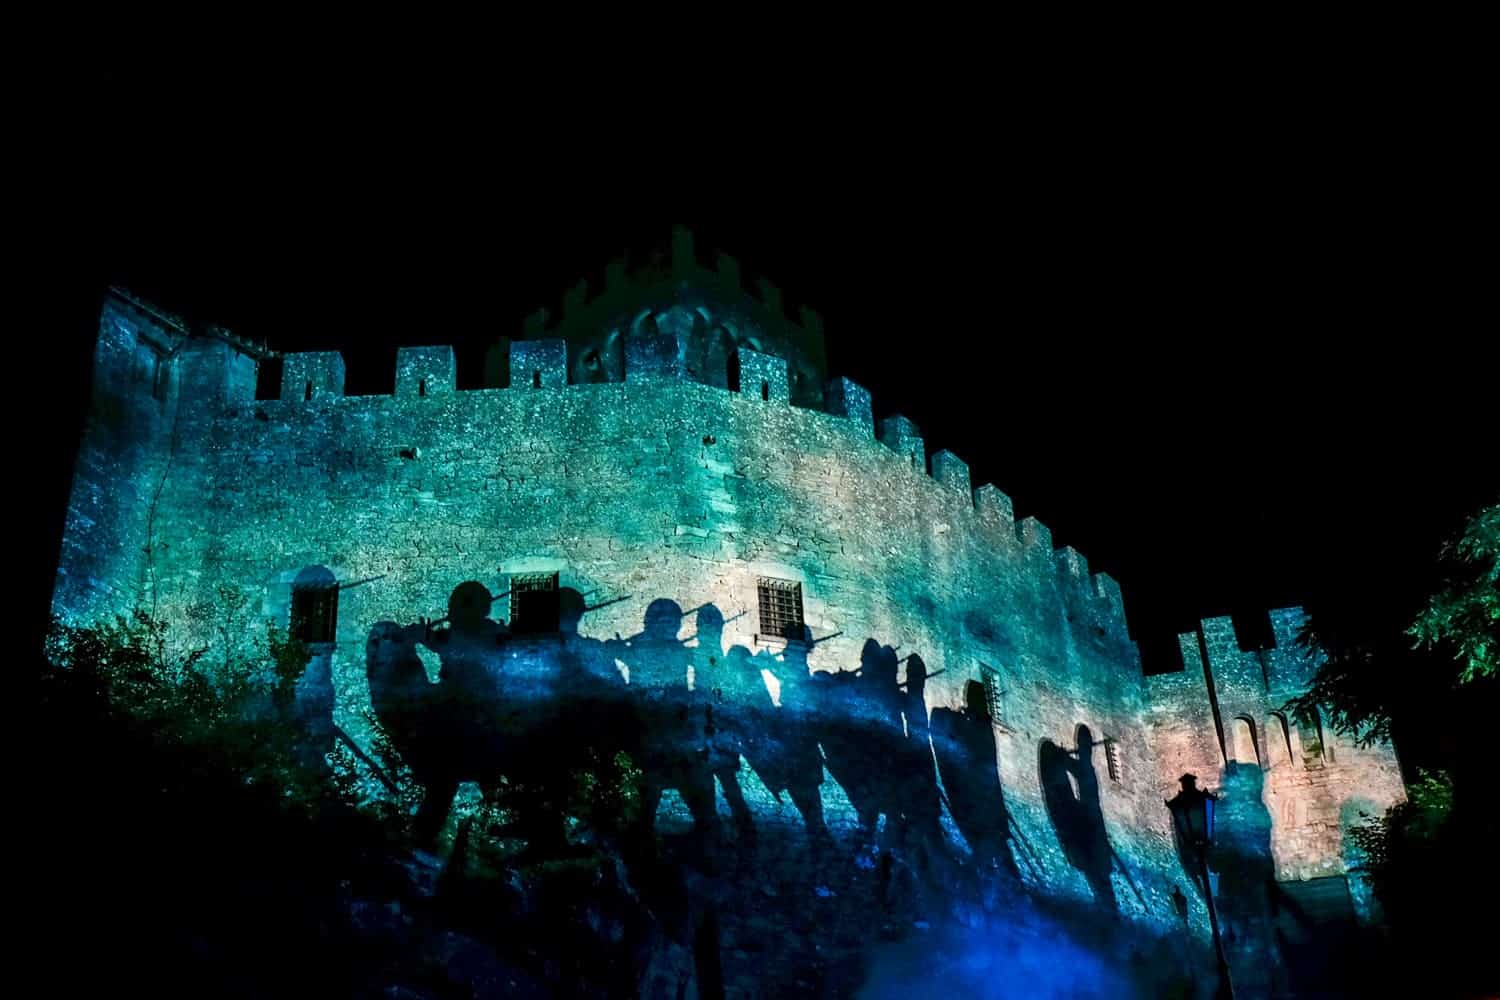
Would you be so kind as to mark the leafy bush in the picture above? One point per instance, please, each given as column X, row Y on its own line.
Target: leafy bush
column 1409, row 832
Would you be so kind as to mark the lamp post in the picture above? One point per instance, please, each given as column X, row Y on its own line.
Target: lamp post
column 1193, row 813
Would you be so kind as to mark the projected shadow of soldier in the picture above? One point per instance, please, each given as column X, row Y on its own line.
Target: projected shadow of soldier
column 918, row 807
column 402, row 696
column 409, row 708
column 784, row 752
column 672, row 750
column 446, row 732
column 1071, row 791
column 725, row 719
column 596, row 716
column 964, row 743
column 861, row 733
column 549, row 682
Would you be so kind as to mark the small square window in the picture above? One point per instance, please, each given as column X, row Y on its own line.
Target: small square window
column 780, row 607
column 533, row 603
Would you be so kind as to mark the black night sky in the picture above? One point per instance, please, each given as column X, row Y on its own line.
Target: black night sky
column 1236, row 348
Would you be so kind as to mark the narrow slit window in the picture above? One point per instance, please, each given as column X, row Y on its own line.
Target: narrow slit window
column 780, row 607
column 533, row 603
column 307, row 394
column 422, row 387
column 536, row 379
column 1245, row 747
column 1310, row 734
column 1278, row 740
column 765, row 390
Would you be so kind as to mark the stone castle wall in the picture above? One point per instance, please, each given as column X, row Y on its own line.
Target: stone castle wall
column 1313, row 783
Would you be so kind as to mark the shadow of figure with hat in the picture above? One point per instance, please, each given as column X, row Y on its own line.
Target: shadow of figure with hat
column 967, row 757
column 672, row 749
column 786, row 755
column 1071, row 791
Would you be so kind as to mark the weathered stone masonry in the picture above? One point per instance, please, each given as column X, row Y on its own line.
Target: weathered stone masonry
column 667, row 484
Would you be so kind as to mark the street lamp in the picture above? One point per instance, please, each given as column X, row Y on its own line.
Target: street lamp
column 1193, row 813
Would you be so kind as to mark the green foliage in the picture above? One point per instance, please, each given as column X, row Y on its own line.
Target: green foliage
column 236, row 715
column 1410, row 854
column 1367, row 670
column 395, row 810
column 1465, row 615
column 606, row 793
column 1352, row 688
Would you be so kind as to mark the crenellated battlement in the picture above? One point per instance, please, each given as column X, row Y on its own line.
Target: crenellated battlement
column 312, row 376
column 420, row 371
column 952, row 473
column 901, row 436
column 655, row 355
column 1241, row 665
column 680, row 316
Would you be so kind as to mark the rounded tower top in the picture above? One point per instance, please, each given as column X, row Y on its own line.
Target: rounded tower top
column 701, row 314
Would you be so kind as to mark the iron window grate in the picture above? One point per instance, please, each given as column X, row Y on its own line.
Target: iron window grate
column 780, row 607
column 533, row 603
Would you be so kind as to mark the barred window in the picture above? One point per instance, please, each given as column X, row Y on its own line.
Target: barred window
column 780, row 607
column 315, row 605
column 994, row 695
column 1112, row 758
column 533, row 603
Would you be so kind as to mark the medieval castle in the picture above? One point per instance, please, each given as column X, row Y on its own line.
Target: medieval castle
column 673, row 453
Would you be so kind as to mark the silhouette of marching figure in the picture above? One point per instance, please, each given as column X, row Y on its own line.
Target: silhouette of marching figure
column 410, row 710
column 584, row 666
column 786, row 754
column 964, row 742
column 469, row 648
column 861, row 733
column 1076, row 815
column 672, row 751
column 447, row 732
column 916, row 791
column 596, row 711
column 542, row 688
column 723, row 716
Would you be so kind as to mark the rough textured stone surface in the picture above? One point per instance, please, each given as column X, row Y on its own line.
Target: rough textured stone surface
column 425, row 371
column 656, row 485
column 763, row 375
column 848, row 399
column 539, row 364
